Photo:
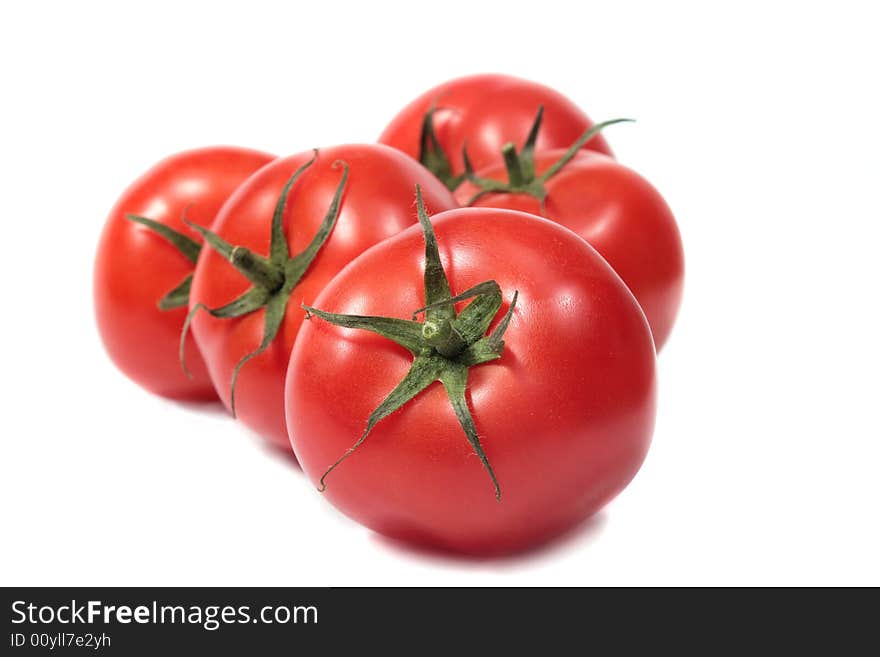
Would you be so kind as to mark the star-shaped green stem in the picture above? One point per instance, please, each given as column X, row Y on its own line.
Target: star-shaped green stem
column 432, row 155
column 444, row 346
column 179, row 296
column 521, row 178
column 272, row 278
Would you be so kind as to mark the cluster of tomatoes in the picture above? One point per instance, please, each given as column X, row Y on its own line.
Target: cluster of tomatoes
column 453, row 329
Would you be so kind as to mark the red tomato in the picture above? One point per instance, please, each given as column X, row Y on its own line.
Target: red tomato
column 565, row 415
column 136, row 267
column 377, row 202
column 485, row 112
column 619, row 213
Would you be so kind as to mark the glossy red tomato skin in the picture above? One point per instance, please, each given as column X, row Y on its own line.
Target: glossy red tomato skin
column 565, row 416
column 378, row 202
column 621, row 215
column 135, row 268
column 485, row 112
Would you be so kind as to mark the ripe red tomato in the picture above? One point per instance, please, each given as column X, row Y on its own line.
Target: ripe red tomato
column 376, row 203
column 136, row 267
column 619, row 213
column 564, row 416
column 485, row 112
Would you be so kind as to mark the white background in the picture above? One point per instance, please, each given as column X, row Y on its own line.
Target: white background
column 758, row 122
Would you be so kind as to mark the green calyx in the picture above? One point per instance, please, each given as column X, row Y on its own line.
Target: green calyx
column 272, row 278
column 521, row 177
column 432, row 156
column 179, row 296
column 444, row 347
